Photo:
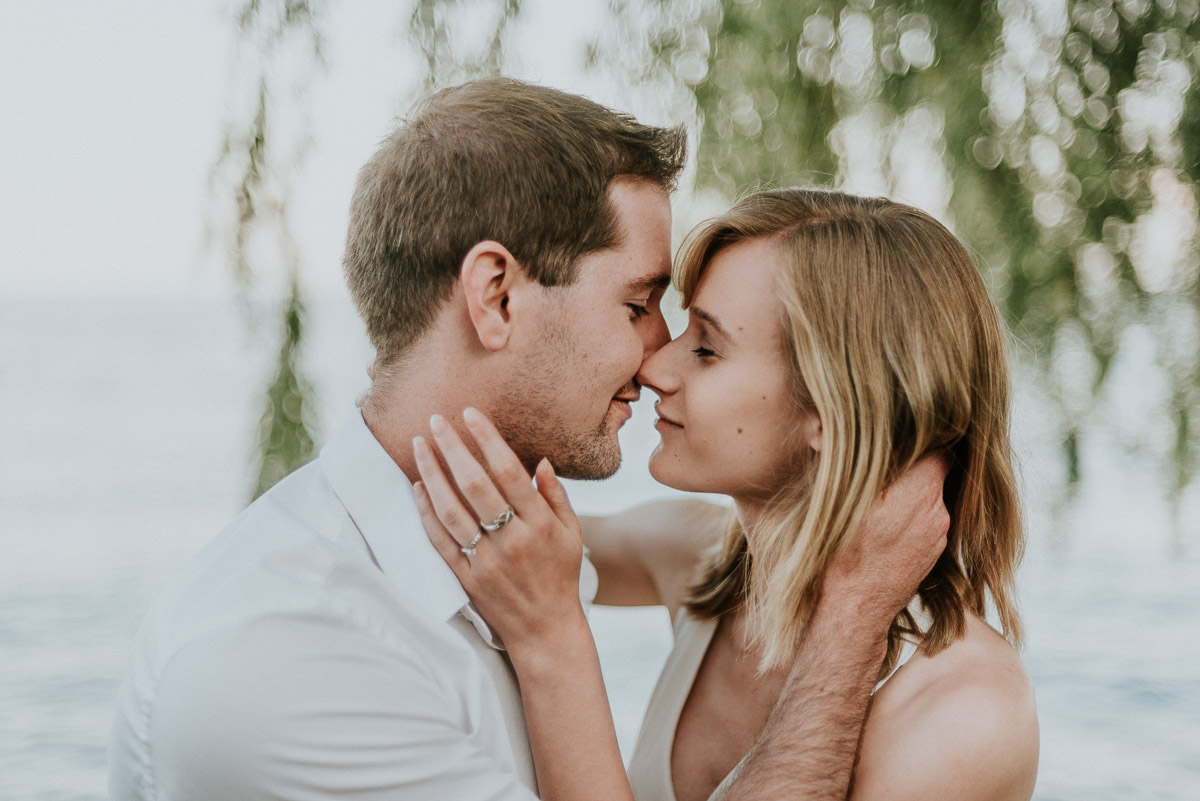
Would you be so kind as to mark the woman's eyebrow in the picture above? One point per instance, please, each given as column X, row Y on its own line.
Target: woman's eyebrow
column 710, row 320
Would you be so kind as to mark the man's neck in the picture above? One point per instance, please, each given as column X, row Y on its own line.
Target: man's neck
column 399, row 405
column 395, row 436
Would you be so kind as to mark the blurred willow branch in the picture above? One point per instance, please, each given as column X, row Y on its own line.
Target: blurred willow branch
column 280, row 50
column 249, row 187
column 436, row 27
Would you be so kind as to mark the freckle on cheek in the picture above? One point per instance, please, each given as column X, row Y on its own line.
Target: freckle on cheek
column 739, row 430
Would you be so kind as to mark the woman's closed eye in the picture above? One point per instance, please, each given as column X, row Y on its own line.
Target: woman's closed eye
column 703, row 352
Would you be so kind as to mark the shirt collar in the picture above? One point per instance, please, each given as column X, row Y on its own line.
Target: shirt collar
column 378, row 497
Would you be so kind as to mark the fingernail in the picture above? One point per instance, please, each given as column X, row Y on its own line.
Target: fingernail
column 418, row 443
column 472, row 415
column 437, row 424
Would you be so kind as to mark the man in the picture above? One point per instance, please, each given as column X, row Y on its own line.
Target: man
column 507, row 249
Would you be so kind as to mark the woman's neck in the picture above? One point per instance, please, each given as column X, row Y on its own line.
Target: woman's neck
column 749, row 512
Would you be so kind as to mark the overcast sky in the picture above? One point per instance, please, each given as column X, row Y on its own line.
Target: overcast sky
column 110, row 116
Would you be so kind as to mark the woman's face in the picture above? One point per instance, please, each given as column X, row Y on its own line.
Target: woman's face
column 726, row 417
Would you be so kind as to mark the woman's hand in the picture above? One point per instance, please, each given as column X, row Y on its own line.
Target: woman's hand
column 523, row 577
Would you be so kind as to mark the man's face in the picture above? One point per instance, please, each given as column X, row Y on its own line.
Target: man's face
column 572, row 390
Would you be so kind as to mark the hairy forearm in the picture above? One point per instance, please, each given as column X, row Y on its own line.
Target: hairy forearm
column 807, row 748
column 570, row 726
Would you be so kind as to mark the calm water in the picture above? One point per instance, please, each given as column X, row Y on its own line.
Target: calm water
column 125, row 431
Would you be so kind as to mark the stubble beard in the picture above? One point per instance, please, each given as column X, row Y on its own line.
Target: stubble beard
column 534, row 426
column 535, row 432
column 592, row 456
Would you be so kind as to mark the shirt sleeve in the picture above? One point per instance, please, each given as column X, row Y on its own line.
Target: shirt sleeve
column 306, row 707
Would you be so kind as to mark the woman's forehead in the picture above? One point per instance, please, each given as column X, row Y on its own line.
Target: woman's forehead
column 737, row 289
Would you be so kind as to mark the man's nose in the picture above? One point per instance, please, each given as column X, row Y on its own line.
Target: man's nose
column 657, row 334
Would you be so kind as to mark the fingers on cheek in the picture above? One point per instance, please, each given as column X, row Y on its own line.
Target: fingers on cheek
column 421, row 497
column 453, row 519
column 426, row 511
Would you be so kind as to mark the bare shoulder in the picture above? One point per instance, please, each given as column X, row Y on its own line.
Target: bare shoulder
column 961, row 724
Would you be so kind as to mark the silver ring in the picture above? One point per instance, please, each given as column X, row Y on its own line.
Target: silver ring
column 469, row 548
column 499, row 523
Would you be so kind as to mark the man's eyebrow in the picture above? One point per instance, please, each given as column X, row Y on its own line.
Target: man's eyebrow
column 650, row 282
column 696, row 311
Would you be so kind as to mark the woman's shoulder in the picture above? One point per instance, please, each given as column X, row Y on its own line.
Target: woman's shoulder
column 959, row 723
column 979, row 663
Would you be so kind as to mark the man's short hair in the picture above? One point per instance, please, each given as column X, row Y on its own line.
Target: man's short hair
column 524, row 165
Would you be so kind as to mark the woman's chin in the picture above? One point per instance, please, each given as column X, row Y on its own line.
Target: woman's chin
column 659, row 468
column 671, row 472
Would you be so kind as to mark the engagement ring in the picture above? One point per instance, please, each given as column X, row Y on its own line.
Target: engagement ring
column 469, row 548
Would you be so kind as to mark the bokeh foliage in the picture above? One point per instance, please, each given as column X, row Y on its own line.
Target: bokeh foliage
column 1060, row 139
column 1066, row 134
column 285, row 439
column 250, row 218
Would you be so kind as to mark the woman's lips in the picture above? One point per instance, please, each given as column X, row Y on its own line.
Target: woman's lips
column 663, row 426
column 664, row 423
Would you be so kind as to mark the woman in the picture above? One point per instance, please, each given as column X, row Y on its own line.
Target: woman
column 833, row 341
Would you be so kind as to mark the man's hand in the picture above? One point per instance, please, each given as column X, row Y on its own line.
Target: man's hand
column 879, row 570
column 807, row 748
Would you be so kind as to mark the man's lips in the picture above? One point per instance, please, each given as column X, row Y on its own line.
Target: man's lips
column 624, row 403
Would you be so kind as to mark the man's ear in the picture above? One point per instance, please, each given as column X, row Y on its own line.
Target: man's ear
column 489, row 275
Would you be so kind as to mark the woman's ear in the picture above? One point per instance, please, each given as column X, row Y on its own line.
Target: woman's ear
column 489, row 275
column 811, row 433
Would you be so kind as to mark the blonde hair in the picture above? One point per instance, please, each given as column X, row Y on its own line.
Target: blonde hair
column 893, row 342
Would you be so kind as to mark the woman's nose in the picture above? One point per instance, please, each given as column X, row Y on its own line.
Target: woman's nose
column 657, row 372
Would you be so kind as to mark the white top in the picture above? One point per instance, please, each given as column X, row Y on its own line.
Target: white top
column 650, row 765
column 318, row 648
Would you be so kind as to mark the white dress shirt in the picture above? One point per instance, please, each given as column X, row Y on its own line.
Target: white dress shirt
column 320, row 648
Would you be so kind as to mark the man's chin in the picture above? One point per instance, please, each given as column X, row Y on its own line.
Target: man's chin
column 595, row 470
column 592, row 461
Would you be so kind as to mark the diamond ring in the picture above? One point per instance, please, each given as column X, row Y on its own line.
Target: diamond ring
column 469, row 548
